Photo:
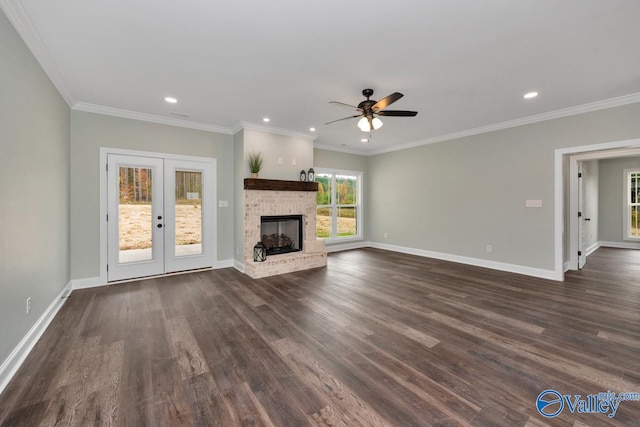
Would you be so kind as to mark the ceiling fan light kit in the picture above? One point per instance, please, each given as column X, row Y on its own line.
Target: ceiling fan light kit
column 365, row 126
column 369, row 109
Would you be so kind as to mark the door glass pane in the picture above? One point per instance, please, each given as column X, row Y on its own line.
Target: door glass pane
column 188, row 213
column 323, row 222
column 346, row 221
column 634, row 229
column 135, row 226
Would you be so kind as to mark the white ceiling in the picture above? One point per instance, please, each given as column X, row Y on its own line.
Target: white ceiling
column 463, row 64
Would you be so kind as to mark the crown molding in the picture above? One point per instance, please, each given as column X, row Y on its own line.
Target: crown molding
column 340, row 149
column 19, row 17
column 551, row 115
column 241, row 125
column 117, row 112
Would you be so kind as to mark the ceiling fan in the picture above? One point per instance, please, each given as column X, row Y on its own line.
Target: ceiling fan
column 369, row 109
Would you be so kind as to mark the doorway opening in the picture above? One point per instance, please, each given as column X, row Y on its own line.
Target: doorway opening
column 569, row 235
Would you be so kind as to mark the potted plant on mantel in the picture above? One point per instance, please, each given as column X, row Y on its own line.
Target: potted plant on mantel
column 255, row 164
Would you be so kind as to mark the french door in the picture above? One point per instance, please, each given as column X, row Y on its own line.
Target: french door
column 160, row 215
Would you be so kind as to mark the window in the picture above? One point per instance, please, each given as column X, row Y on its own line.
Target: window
column 632, row 204
column 339, row 205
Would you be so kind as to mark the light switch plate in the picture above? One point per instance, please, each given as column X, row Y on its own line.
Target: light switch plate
column 533, row 203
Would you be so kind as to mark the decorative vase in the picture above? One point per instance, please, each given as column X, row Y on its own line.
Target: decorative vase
column 254, row 174
column 303, row 175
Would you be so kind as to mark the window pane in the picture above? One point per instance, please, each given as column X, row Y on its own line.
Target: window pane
column 347, row 225
column 188, row 211
column 323, row 222
column 345, row 189
column 323, row 196
column 635, row 222
column 135, row 226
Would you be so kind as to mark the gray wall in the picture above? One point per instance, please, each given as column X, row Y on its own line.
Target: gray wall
column 611, row 197
column 91, row 131
column 337, row 160
column 457, row 196
column 34, row 190
column 274, row 147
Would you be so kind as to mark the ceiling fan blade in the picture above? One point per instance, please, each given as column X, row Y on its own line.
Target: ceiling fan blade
column 344, row 118
column 386, row 101
column 397, row 113
column 342, row 104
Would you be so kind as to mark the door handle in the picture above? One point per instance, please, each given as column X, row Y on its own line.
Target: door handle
column 587, row 219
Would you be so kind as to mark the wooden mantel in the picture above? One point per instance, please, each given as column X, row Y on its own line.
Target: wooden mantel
column 279, row 185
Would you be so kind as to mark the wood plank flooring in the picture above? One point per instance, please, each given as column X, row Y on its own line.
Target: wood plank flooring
column 375, row 339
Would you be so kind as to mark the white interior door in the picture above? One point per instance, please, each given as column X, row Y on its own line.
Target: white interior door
column 135, row 222
column 161, row 215
column 582, row 215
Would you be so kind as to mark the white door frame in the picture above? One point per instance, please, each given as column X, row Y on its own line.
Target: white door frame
column 607, row 150
column 104, row 152
column 582, row 209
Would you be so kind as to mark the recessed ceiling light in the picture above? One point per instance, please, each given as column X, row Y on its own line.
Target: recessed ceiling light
column 363, row 140
column 312, row 129
column 266, row 119
column 171, row 100
column 530, row 95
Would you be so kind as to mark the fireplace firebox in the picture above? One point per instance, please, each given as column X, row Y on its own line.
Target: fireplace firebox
column 281, row 234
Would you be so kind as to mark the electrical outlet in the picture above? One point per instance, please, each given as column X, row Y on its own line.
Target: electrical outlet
column 489, row 248
column 28, row 305
column 385, row 235
column 293, row 162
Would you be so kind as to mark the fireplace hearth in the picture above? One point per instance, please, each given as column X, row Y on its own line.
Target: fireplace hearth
column 281, row 234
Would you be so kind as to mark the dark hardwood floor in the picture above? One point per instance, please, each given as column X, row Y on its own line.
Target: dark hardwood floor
column 375, row 339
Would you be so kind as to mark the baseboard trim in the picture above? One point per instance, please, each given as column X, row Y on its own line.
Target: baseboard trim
column 11, row 365
column 494, row 265
column 566, row 266
column 620, row 245
column 89, row 282
column 337, row 247
column 225, row 263
column 591, row 249
column 238, row 266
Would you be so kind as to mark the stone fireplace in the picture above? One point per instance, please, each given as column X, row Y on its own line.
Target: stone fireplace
column 280, row 203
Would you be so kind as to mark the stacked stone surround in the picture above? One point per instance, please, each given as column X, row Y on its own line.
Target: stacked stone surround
column 259, row 203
